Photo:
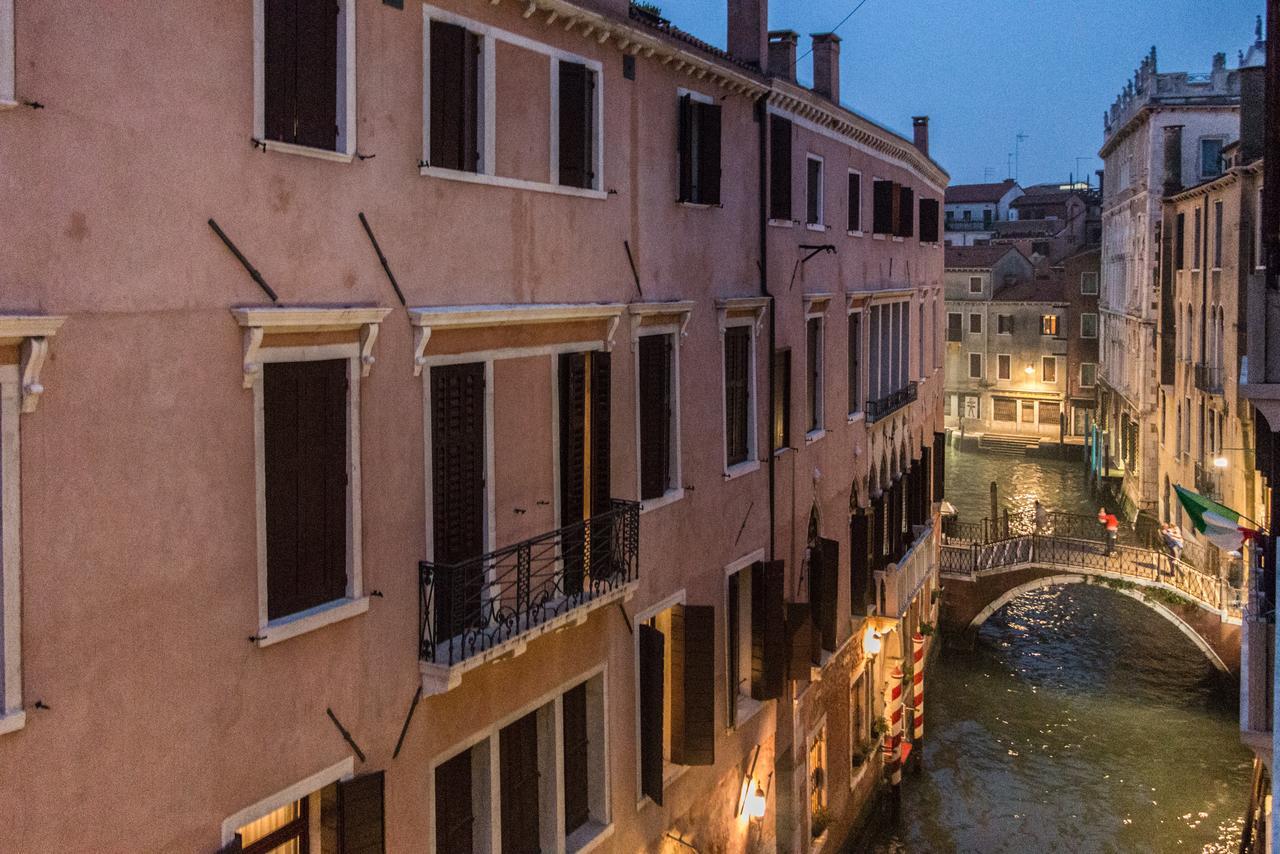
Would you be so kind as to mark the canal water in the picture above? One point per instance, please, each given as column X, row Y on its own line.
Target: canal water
column 1081, row 722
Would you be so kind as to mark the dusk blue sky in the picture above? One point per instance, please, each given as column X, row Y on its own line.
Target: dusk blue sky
column 983, row 70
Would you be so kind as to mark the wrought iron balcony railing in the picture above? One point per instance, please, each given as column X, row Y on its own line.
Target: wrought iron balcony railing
column 1209, row 378
column 969, row 225
column 890, row 403
column 467, row 608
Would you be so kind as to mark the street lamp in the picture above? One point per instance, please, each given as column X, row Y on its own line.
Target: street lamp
column 1221, row 462
column 1030, row 371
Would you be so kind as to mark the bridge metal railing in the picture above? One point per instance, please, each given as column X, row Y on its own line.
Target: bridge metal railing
column 1069, row 553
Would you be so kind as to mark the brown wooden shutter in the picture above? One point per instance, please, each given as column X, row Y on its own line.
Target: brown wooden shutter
column 573, row 460
column 939, row 466
column 601, row 461
column 305, row 444
column 577, row 96
column 708, row 153
column 929, row 220
column 779, row 168
column 454, row 819
column 655, row 415
column 855, row 202
column 824, row 574
column 733, row 653
column 882, row 196
column 317, row 74
column 801, row 649
column 455, row 64
column 280, row 59
column 737, row 355
column 693, row 680
column 577, row 808
column 684, row 148
column 458, row 502
column 768, row 630
column 782, row 399
column 906, row 211
column 652, row 701
column 859, row 564
column 518, row 761
column 361, row 827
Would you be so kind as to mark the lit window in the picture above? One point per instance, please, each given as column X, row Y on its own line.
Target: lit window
column 321, row 816
column 819, row 818
column 1049, row 324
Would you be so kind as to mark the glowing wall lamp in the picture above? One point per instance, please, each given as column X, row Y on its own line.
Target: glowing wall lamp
column 1030, row 370
column 756, row 802
column 872, row 642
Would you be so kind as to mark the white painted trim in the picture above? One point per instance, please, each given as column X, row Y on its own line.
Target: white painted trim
column 11, row 715
column 676, row 331
column 862, row 225
column 677, row 598
column 8, row 61
column 695, row 95
column 345, row 144
column 781, row 223
column 510, row 183
column 273, row 631
column 820, row 223
column 342, row 770
column 745, row 707
column 752, row 462
column 815, row 305
column 15, row 327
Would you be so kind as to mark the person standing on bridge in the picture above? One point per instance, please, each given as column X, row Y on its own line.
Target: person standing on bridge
column 1113, row 530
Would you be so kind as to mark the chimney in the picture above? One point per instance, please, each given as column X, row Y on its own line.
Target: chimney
column 826, row 65
column 748, row 31
column 920, row 133
column 1172, row 159
column 782, row 54
column 1253, row 119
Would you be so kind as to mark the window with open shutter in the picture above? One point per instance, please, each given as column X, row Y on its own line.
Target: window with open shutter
column 768, row 630
column 813, row 195
column 305, row 455
column 577, row 806
column 693, row 681
column 458, row 493
column 652, row 703
column 882, row 204
column 361, row 829
column 779, row 168
column 519, row 786
column 708, row 153
column 929, row 220
column 577, row 125
column 813, row 336
column 686, row 148
column 454, row 81
column 656, row 415
column 737, row 357
column 824, row 568
column 600, row 461
column 801, row 648
column 573, row 370
column 906, row 212
column 855, row 202
column 454, row 816
column 855, row 362
column 300, row 72
column 781, row 399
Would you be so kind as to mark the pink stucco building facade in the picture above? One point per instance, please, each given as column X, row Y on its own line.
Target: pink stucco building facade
column 591, row 507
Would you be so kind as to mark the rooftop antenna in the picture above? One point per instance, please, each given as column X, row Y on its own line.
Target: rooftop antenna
column 1017, row 150
column 1087, row 185
column 1008, row 168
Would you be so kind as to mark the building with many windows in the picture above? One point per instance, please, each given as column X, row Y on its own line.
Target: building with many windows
column 972, row 211
column 409, row 440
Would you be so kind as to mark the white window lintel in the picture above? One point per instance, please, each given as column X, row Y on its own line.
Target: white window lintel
column 258, row 320
column 740, row 306
column 31, row 333
column 815, row 305
column 678, row 311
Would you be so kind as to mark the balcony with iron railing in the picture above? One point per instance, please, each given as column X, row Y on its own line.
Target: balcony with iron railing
column 903, row 579
column 890, row 403
column 494, row 604
column 969, row 225
column 1209, row 378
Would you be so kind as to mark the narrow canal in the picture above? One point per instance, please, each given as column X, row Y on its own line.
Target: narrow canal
column 1081, row 722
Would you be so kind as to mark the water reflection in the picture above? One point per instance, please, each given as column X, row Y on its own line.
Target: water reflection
column 1059, row 484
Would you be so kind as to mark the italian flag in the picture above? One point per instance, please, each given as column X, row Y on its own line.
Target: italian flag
column 1220, row 524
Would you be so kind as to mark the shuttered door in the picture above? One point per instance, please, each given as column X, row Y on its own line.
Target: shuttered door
column 601, row 438
column 300, row 72
column 361, row 828
column 693, row 680
column 573, row 462
column 458, row 505
column 684, row 148
column 454, row 80
column 454, row 820
column 708, row 153
column 737, row 355
column 859, row 564
column 577, row 809
column 768, row 630
column 655, row 415
column 518, row 760
column 280, row 61
column 652, row 701
column 824, row 589
column 305, row 449
column 779, row 168
column 577, row 105
column 802, row 651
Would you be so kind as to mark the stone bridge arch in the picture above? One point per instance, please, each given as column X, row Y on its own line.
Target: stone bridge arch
column 968, row 603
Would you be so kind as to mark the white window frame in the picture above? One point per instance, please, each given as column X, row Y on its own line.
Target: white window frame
column 1085, row 276
column 676, row 492
column 982, row 372
column 590, row 836
column 1094, row 315
column 1222, row 143
column 969, row 326
column 977, row 279
column 861, row 229
column 757, row 307
column 345, row 149
column 857, row 408
column 670, row 771
column 12, row 716
column 821, row 224
column 946, row 333
column 698, row 98
column 1008, row 360
column 8, row 57
column 747, row 706
column 1044, row 361
column 1093, row 384
column 814, row 433
column 487, row 113
column 340, row 771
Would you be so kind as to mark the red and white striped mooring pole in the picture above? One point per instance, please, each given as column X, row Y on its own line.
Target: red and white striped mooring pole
column 917, row 666
column 893, row 738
